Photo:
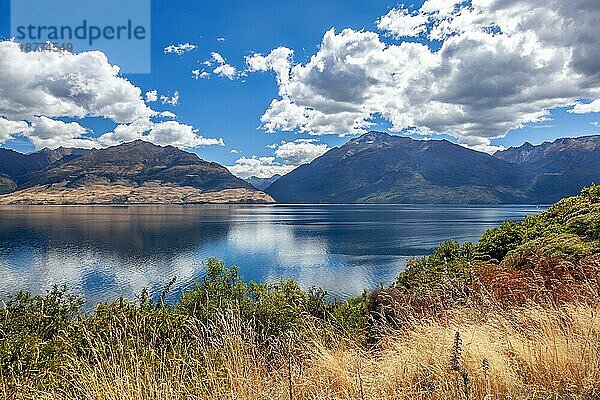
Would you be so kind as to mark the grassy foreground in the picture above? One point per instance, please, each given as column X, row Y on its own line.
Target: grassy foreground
column 516, row 316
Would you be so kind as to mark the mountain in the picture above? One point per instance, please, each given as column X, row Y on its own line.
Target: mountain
column 46, row 157
column 18, row 166
column 380, row 168
column 134, row 172
column 138, row 162
column 262, row 183
column 560, row 168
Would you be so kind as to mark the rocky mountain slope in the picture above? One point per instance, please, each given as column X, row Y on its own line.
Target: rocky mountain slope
column 381, row 168
column 560, row 168
column 135, row 172
column 18, row 166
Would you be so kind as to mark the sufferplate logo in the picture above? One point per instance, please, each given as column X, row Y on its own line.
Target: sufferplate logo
column 120, row 29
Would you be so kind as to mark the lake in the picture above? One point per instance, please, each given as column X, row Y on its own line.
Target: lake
column 103, row 252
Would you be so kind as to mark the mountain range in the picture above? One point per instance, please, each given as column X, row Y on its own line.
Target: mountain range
column 557, row 169
column 381, row 168
column 373, row 168
column 130, row 173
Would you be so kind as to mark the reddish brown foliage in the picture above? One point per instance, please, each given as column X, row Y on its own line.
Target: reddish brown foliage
column 540, row 280
column 527, row 279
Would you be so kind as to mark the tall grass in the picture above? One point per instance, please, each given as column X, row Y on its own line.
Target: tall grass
column 531, row 352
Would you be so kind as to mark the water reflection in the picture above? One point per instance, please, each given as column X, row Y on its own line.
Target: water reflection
column 105, row 252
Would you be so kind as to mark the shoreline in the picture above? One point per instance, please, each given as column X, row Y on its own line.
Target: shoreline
column 515, row 314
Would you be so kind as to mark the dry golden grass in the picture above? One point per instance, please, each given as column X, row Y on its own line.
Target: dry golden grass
column 528, row 352
column 125, row 193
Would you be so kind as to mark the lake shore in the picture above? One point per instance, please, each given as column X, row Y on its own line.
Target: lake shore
column 111, row 194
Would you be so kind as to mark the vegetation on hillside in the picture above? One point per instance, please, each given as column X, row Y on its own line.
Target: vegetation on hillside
column 6, row 184
column 515, row 316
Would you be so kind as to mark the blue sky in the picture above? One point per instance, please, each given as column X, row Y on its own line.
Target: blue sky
column 231, row 108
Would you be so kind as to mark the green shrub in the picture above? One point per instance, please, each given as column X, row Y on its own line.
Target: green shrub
column 351, row 316
column 32, row 331
column 279, row 308
column 565, row 246
column 495, row 243
column 591, row 193
column 275, row 309
column 221, row 288
column 570, row 207
column 579, row 215
column 586, row 225
column 44, row 316
column 448, row 270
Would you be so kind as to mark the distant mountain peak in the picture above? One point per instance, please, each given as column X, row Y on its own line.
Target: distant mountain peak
column 137, row 143
column 262, row 183
column 540, row 155
column 371, row 137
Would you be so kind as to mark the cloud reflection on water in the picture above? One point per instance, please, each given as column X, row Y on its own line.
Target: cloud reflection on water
column 106, row 252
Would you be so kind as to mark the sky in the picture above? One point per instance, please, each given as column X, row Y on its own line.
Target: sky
column 263, row 87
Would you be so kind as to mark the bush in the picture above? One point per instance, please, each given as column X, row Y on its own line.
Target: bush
column 566, row 246
column 274, row 309
column 586, row 225
column 221, row 288
column 497, row 242
column 31, row 330
column 565, row 209
column 579, row 215
column 448, row 270
column 44, row 316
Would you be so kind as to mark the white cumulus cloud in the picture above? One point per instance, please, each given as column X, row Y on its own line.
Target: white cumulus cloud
column 300, row 151
column 226, row 70
column 261, row 167
column 288, row 155
column 218, row 58
column 179, row 135
column 162, row 133
column 151, row 96
column 173, row 100
column 167, row 114
column 278, row 60
column 400, row 22
column 53, row 133
column 583, row 108
column 62, row 84
column 10, row 128
column 499, row 65
column 200, row 74
column 222, row 69
column 39, row 90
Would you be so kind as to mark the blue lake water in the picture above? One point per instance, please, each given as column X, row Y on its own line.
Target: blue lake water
column 102, row 252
